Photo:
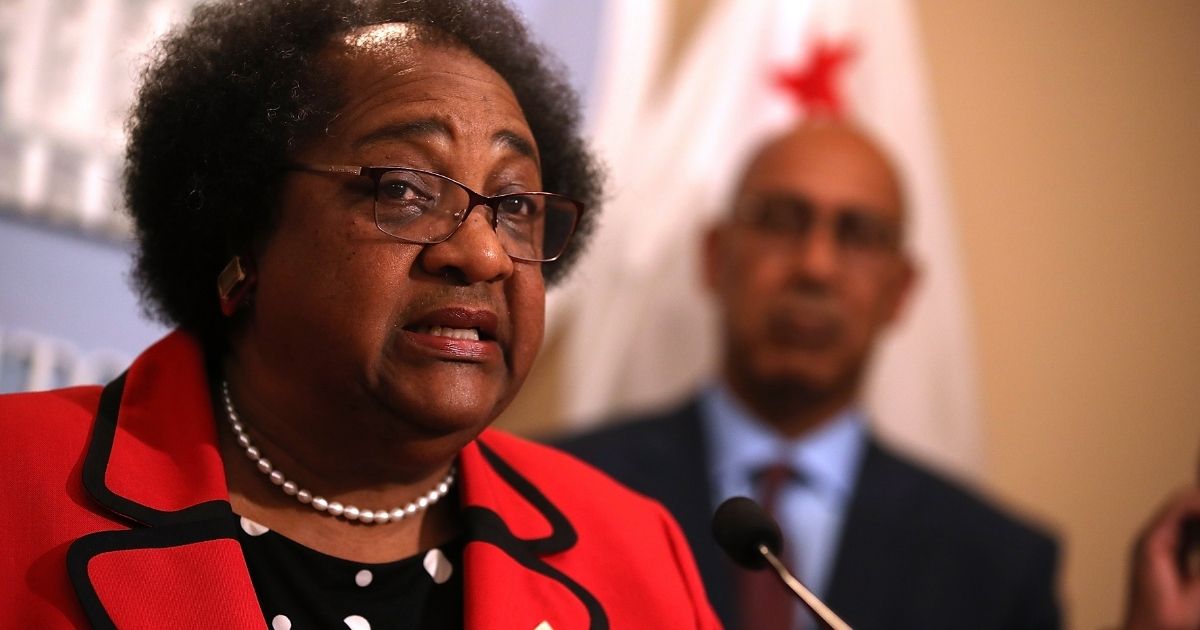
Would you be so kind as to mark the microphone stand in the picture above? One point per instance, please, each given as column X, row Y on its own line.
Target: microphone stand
column 826, row 616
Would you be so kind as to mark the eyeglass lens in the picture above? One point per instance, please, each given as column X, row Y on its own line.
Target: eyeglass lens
column 794, row 216
column 428, row 208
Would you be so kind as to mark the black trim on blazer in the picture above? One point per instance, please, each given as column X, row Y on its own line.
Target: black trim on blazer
column 562, row 535
column 95, row 465
column 663, row 454
column 212, row 520
column 81, row 552
column 484, row 525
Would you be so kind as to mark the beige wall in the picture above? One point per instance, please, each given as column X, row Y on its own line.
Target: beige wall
column 1071, row 131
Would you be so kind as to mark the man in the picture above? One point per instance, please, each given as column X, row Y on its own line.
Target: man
column 809, row 268
column 1164, row 585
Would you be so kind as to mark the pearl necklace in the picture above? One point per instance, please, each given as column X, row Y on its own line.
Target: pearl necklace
column 319, row 503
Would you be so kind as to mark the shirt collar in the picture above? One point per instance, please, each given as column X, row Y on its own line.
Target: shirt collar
column 740, row 443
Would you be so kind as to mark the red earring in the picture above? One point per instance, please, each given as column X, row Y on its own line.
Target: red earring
column 234, row 283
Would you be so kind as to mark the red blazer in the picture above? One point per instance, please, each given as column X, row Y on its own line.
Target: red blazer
column 116, row 514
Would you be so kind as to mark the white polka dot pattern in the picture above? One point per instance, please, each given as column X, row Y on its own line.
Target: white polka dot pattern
column 363, row 578
column 254, row 529
column 354, row 604
column 545, row 625
column 354, row 622
column 437, row 565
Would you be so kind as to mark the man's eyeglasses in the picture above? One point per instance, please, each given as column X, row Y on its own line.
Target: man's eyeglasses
column 423, row 207
column 791, row 217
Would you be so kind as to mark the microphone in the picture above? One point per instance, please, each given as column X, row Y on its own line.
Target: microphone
column 752, row 538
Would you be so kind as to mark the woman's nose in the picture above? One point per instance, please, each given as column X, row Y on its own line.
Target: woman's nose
column 472, row 254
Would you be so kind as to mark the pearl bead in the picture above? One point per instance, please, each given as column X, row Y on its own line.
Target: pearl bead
column 319, row 503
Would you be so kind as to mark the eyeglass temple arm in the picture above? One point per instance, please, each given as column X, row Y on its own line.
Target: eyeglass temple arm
column 329, row 168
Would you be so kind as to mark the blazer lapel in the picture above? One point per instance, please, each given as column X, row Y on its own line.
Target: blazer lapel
column 152, row 461
column 675, row 470
column 186, row 575
column 665, row 456
column 511, row 527
column 869, row 578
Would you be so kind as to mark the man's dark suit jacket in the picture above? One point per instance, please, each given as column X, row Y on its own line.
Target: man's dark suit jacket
column 916, row 551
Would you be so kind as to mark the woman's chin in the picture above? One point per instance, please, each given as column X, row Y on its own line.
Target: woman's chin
column 457, row 422
column 446, row 416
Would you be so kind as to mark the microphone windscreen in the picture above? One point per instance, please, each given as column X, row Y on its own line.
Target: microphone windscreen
column 740, row 525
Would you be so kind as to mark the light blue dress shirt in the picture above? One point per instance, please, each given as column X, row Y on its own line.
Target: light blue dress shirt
column 811, row 512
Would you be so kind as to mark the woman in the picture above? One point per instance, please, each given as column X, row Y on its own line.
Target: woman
column 309, row 448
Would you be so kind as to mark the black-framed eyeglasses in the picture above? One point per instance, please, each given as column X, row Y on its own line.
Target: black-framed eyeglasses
column 789, row 217
column 423, row 207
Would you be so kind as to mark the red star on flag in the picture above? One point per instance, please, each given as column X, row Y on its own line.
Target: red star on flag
column 814, row 84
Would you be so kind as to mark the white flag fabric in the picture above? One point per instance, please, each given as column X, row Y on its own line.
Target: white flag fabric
column 636, row 328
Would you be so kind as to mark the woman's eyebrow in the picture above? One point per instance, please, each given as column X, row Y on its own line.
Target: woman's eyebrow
column 404, row 131
column 515, row 142
column 434, row 127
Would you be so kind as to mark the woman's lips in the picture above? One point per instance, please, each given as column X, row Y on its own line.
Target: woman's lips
column 468, row 334
column 456, row 334
column 460, row 347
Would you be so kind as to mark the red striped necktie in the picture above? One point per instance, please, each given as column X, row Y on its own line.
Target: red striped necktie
column 764, row 602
